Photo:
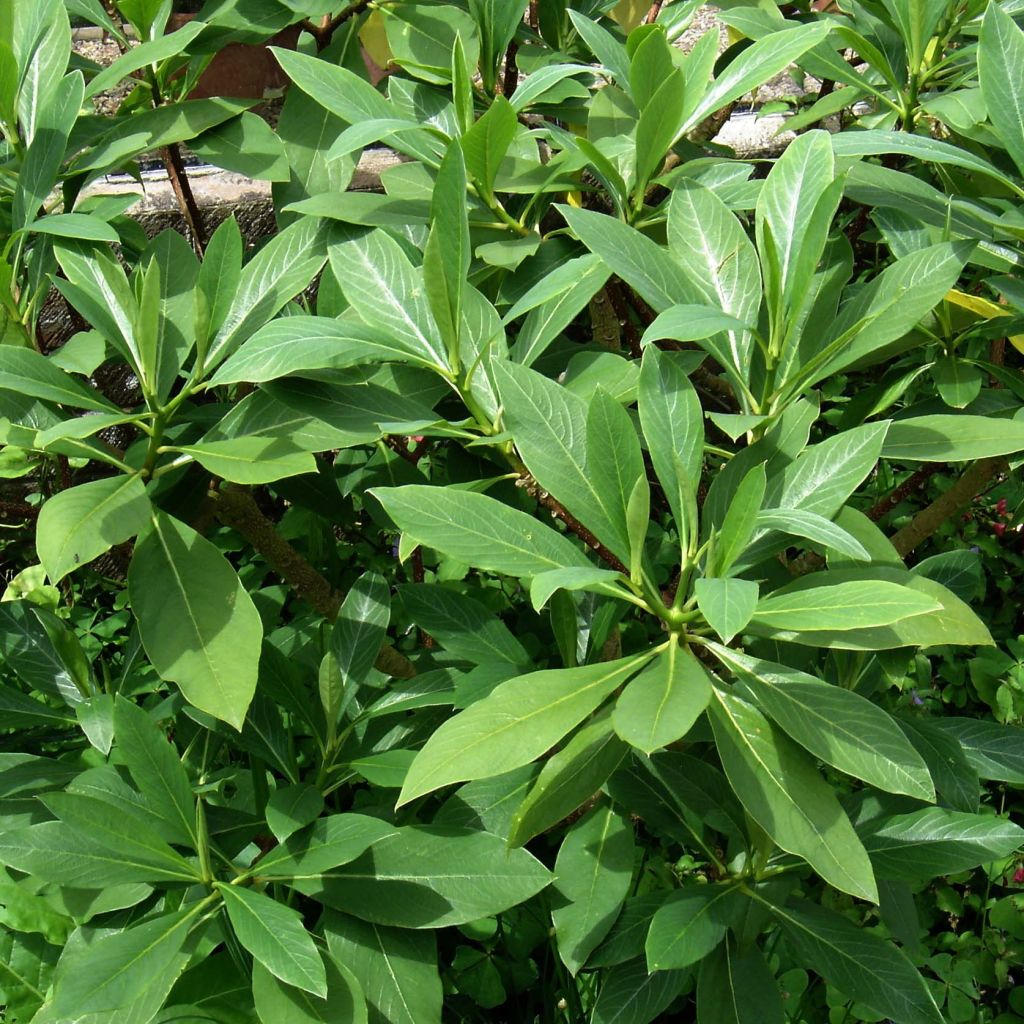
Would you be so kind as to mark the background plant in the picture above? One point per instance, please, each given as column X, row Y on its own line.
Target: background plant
column 495, row 598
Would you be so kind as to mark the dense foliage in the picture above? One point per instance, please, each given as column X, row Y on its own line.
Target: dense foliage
column 576, row 583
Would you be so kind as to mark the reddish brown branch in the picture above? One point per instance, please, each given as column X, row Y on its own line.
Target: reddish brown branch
column 914, row 482
column 324, row 32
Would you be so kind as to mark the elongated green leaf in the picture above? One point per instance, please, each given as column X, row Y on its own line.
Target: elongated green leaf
column 995, row 751
column 673, row 426
column 548, row 583
column 844, row 729
column 689, row 925
column 851, row 605
column 274, row 276
column 487, row 142
column 275, row 936
column 938, row 841
column 798, row 522
column 736, row 988
column 713, row 249
column 156, row 768
column 952, row 438
column 296, row 344
column 593, row 873
column 661, row 704
column 858, row 963
column 356, row 639
column 629, row 995
column 289, row 808
column 29, row 373
column 462, row 625
column 250, row 460
column 150, row 52
column 127, row 974
column 396, row 968
column 388, row 292
column 1001, row 77
column 515, row 724
column 726, row 604
column 878, row 142
column 45, row 154
column 37, row 653
column 549, row 425
column 81, row 523
column 348, row 97
column 429, row 877
column 197, row 622
column 660, row 120
column 640, row 262
column 740, row 521
column 218, row 279
column 478, row 530
column 568, row 778
column 781, row 790
column 246, row 145
column 285, row 1004
column 956, row 780
column 104, row 825
column 691, row 323
column 336, row 839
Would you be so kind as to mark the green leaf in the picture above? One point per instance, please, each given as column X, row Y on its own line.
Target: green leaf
column 156, row 769
column 487, row 142
column 714, row 251
column 956, row 780
column 82, row 226
column 593, row 873
column 275, row 936
column 995, row 751
column 152, row 51
column 689, row 925
column 463, row 626
column 246, row 145
column 81, row 523
column 761, row 61
column 127, row 974
column 514, row 724
column 29, row 373
column 356, row 639
column 937, row 841
column 726, row 604
column 691, row 323
column 250, row 460
column 952, row 438
column 798, row 522
column 427, row 876
column 99, row 831
column 478, row 530
column 447, row 255
column 387, row 291
column 35, row 653
column 740, row 521
column 290, row 808
column 641, row 263
column 861, row 965
column 604, row 46
column 568, row 778
column 661, row 704
column 735, row 988
column 336, row 839
column 673, row 426
column 957, row 381
column 219, row 278
column 781, row 790
column 839, row 726
column 659, row 123
column 197, row 622
column 629, row 995
column 879, row 142
column 297, row 344
column 853, row 604
column 1001, row 77
column 285, row 1004
column 549, row 426
column 396, row 968
column 548, row 583
column 42, row 161
column 274, row 276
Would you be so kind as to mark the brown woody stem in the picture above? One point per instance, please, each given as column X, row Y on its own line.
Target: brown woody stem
column 959, row 496
column 914, row 482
